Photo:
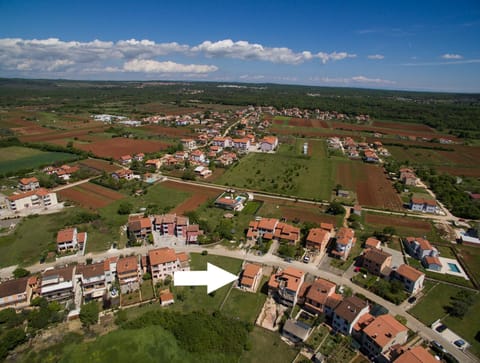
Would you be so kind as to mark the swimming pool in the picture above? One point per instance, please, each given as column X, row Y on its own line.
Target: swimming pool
column 453, row 267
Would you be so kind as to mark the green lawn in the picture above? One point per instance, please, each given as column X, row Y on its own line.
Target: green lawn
column 266, row 346
column 245, row 305
column 193, row 298
column 432, row 307
column 287, row 172
column 471, row 256
column 15, row 158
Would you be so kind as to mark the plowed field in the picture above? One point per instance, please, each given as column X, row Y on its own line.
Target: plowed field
column 90, row 195
column 119, row 146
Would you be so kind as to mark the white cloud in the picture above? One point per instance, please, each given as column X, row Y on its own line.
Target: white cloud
column 363, row 79
column 376, row 56
column 152, row 66
column 452, row 56
column 241, row 49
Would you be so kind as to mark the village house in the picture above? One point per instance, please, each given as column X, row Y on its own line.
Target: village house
column 271, row 228
column 250, row 277
column 296, row 331
column 315, row 295
column 241, row 144
column 202, row 171
column 376, row 261
column 166, row 298
column 57, row 284
column 17, row 293
column 285, row 285
column 370, row 156
column 347, row 314
column 110, row 270
column 188, row 144
column 411, row 278
column 38, row 198
column 381, row 334
column 408, row 177
column 327, row 227
column 229, row 202
column 126, row 174
column 416, row 354
column 423, row 205
column 419, row 248
column 27, row 184
column 139, row 157
column 139, row 226
column 344, row 242
column 372, row 242
column 330, row 305
column 128, row 274
column 192, row 233
column 286, row 233
column 70, row 239
column 432, row 263
column 222, row 141
column 226, row 159
column 317, row 240
column 198, row 156
column 64, row 172
column 268, row 143
column 125, row 159
column 153, row 163
column 92, row 279
column 164, row 262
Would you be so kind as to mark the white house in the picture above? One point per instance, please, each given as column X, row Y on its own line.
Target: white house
column 38, row 198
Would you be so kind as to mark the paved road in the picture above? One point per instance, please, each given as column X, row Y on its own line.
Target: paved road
column 273, row 260
column 71, row 185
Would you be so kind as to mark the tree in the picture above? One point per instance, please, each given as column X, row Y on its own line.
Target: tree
column 389, row 231
column 89, row 314
column 125, row 208
column 20, row 272
column 336, row 208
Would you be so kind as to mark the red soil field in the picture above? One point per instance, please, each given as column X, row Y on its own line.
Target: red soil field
column 397, row 221
column 402, row 126
column 278, row 122
column 91, row 196
column 199, row 195
column 99, row 165
column 344, row 175
column 119, row 146
column 168, row 131
column 300, row 122
column 376, row 190
column 320, row 123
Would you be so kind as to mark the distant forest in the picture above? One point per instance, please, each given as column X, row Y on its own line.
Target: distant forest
column 457, row 113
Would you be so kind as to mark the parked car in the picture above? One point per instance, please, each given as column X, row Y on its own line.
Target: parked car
column 436, row 346
column 306, row 259
column 412, row 299
column 441, row 328
column 459, row 343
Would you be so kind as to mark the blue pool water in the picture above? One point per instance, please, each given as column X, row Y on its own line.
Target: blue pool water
column 453, row 267
column 238, row 199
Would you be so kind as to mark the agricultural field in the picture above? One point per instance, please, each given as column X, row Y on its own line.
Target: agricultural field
column 116, row 147
column 370, row 183
column 14, row 158
column 405, row 226
column 199, row 195
column 98, row 165
column 286, row 172
column 90, row 195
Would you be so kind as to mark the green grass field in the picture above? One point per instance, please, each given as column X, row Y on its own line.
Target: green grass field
column 266, row 346
column 15, row 158
column 432, row 307
column 287, row 172
column 245, row 305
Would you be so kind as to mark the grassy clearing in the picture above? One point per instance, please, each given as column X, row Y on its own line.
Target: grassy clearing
column 287, row 172
column 245, row 305
column 471, row 256
column 432, row 307
column 195, row 298
column 15, row 158
column 267, row 346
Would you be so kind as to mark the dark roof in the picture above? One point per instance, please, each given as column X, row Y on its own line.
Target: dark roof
column 349, row 308
column 376, row 255
column 13, row 287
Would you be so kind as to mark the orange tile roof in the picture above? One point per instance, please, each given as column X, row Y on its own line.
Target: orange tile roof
column 327, row 226
column 384, row 329
column 409, row 272
column 127, row 264
column 433, row 260
column 267, row 223
column 251, row 270
column 320, row 290
column 372, row 242
column 26, row 181
column 41, row 192
column 166, row 296
column 65, row 235
column 182, row 257
column 424, row 244
column 161, row 255
column 417, row 354
column 318, row 236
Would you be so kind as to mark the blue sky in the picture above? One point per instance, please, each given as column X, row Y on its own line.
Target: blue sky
column 418, row 45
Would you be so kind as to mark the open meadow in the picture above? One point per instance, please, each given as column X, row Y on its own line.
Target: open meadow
column 287, row 172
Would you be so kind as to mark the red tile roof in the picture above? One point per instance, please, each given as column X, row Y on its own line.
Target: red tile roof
column 65, row 235
column 127, row 264
column 162, row 255
column 417, row 354
column 26, row 181
column 384, row 329
column 41, row 192
column 409, row 272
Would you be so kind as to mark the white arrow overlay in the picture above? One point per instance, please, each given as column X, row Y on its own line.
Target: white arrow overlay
column 214, row 278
